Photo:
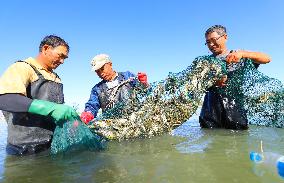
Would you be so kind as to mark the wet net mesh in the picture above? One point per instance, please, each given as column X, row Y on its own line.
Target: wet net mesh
column 263, row 99
column 166, row 104
column 74, row 135
column 162, row 106
column 258, row 95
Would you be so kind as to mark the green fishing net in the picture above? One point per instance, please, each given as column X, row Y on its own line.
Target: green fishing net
column 149, row 111
column 259, row 96
column 263, row 99
column 74, row 135
column 166, row 104
column 162, row 106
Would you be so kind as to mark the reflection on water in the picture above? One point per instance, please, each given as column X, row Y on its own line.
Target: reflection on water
column 190, row 154
column 196, row 142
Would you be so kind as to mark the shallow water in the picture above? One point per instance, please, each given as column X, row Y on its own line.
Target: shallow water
column 189, row 154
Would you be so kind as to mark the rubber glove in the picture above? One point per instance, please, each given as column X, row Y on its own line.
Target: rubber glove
column 59, row 112
column 86, row 116
column 142, row 77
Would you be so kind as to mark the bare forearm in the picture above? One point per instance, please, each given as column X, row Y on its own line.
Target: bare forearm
column 258, row 57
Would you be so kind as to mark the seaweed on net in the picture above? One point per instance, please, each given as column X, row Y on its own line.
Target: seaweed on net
column 162, row 106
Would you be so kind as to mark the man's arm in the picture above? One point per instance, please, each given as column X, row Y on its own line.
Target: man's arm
column 141, row 76
column 19, row 103
column 13, row 86
column 129, row 75
column 257, row 57
column 91, row 107
column 93, row 104
column 14, row 103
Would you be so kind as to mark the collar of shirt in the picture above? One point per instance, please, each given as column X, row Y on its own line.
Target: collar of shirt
column 35, row 63
column 223, row 56
column 113, row 83
column 47, row 74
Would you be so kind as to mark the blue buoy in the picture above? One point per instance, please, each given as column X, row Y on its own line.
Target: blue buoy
column 255, row 157
column 271, row 160
column 280, row 166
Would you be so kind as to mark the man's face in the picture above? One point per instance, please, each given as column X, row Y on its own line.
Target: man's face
column 216, row 43
column 55, row 56
column 105, row 72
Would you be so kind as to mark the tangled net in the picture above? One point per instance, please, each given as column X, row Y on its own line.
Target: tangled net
column 263, row 99
column 260, row 97
column 162, row 106
column 167, row 104
column 75, row 135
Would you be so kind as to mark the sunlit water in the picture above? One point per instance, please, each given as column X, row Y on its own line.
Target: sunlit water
column 189, row 154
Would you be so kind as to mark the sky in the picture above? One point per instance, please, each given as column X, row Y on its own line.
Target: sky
column 152, row 36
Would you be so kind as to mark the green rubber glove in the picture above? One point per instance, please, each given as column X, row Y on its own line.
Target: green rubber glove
column 59, row 112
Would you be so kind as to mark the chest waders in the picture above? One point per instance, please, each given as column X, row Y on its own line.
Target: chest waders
column 223, row 106
column 30, row 133
column 108, row 97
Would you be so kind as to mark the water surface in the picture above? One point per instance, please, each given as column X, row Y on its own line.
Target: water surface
column 189, row 154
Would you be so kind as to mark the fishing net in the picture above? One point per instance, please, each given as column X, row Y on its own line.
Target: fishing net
column 260, row 97
column 166, row 104
column 263, row 99
column 163, row 105
column 74, row 135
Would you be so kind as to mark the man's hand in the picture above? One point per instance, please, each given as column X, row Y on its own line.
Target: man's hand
column 59, row 112
column 142, row 77
column 222, row 81
column 234, row 56
column 86, row 117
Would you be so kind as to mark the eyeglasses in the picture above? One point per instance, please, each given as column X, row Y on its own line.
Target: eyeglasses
column 213, row 40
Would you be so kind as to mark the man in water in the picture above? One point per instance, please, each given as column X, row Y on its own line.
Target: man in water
column 113, row 88
column 32, row 94
column 223, row 103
